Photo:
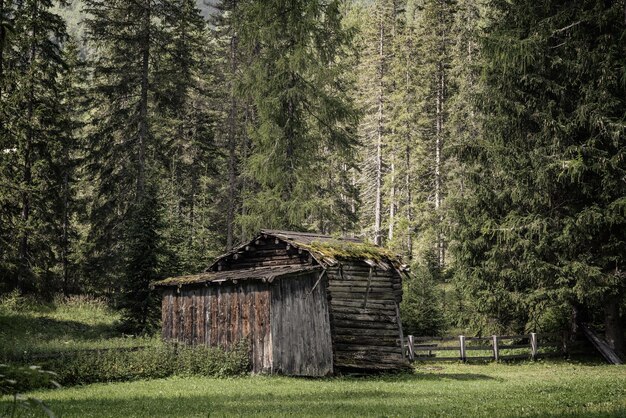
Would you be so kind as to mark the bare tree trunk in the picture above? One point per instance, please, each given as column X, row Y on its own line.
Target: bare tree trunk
column 248, row 118
column 614, row 324
column 379, row 140
column 143, row 104
column 2, row 42
column 66, row 226
column 232, row 142
column 438, row 147
column 409, row 201
column 27, row 176
column 392, row 198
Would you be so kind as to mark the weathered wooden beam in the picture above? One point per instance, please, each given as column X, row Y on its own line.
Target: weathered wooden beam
column 411, row 351
column 495, row 347
column 534, row 346
column 462, row 347
column 366, row 332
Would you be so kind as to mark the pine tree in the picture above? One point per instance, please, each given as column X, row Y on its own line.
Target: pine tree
column 123, row 35
column 433, row 21
column 185, row 102
column 229, row 64
column 33, row 129
column 141, row 264
column 301, row 103
column 542, row 229
column 375, row 91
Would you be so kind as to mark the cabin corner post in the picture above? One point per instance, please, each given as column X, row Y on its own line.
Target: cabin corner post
column 402, row 346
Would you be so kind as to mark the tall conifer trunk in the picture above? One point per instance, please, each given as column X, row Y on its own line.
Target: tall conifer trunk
column 438, row 162
column 65, row 230
column 143, row 103
column 232, row 141
column 2, row 41
column 392, row 197
column 439, row 139
column 27, row 176
column 392, row 191
column 614, row 324
column 379, row 132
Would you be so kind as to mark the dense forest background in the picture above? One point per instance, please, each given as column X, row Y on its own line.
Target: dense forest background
column 482, row 140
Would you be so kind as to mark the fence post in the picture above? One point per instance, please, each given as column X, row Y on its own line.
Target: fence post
column 462, row 347
column 533, row 345
column 496, row 354
column 411, row 346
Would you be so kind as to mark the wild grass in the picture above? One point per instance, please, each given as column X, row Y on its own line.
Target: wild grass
column 29, row 328
column 77, row 338
column 540, row 389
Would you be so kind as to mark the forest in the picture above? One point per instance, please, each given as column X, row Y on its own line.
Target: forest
column 484, row 141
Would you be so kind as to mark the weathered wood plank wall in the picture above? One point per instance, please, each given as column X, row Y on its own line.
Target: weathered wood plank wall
column 365, row 326
column 221, row 315
column 265, row 252
column 301, row 327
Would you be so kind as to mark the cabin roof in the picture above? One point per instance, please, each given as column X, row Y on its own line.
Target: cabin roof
column 327, row 250
column 260, row 273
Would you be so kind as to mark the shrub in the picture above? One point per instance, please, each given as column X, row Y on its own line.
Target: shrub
column 421, row 309
column 153, row 362
column 17, row 379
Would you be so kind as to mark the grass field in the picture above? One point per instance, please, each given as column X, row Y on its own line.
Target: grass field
column 28, row 327
column 556, row 389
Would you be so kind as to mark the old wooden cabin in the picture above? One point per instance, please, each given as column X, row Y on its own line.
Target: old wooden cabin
column 308, row 304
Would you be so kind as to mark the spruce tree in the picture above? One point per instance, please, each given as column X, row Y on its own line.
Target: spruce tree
column 375, row 91
column 32, row 131
column 542, row 231
column 301, row 102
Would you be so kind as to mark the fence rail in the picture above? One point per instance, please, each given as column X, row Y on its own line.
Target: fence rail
column 532, row 346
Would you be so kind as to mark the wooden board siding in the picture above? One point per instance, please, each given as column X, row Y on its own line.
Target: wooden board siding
column 212, row 315
column 366, row 330
column 264, row 252
column 300, row 327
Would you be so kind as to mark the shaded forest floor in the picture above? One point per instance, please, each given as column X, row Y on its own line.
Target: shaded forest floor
column 557, row 389
column 29, row 328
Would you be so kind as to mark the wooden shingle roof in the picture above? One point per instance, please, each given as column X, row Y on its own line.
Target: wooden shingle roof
column 327, row 250
column 266, row 274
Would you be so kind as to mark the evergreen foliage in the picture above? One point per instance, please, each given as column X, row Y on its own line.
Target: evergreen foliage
column 483, row 141
column 36, row 142
column 544, row 225
column 302, row 108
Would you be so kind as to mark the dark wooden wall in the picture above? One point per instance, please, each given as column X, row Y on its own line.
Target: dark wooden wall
column 352, row 316
column 262, row 253
column 222, row 315
column 366, row 332
column 300, row 327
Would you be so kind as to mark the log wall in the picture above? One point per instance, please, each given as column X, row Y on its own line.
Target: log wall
column 301, row 327
column 221, row 316
column 264, row 252
column 366, row 328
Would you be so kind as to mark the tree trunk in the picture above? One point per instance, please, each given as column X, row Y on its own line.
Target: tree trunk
column 379, row 139
column 438, row 148
column 392, row 198
column 65, row 232
column 27, row 177
column 232, row 143
column 2, row 41
column 143, row 104
column 614, row 325
column 409, row 202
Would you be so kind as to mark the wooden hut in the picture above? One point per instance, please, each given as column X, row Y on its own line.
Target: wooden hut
column 308, row 304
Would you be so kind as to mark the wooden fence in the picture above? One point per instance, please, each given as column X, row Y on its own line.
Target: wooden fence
column 500, row 347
